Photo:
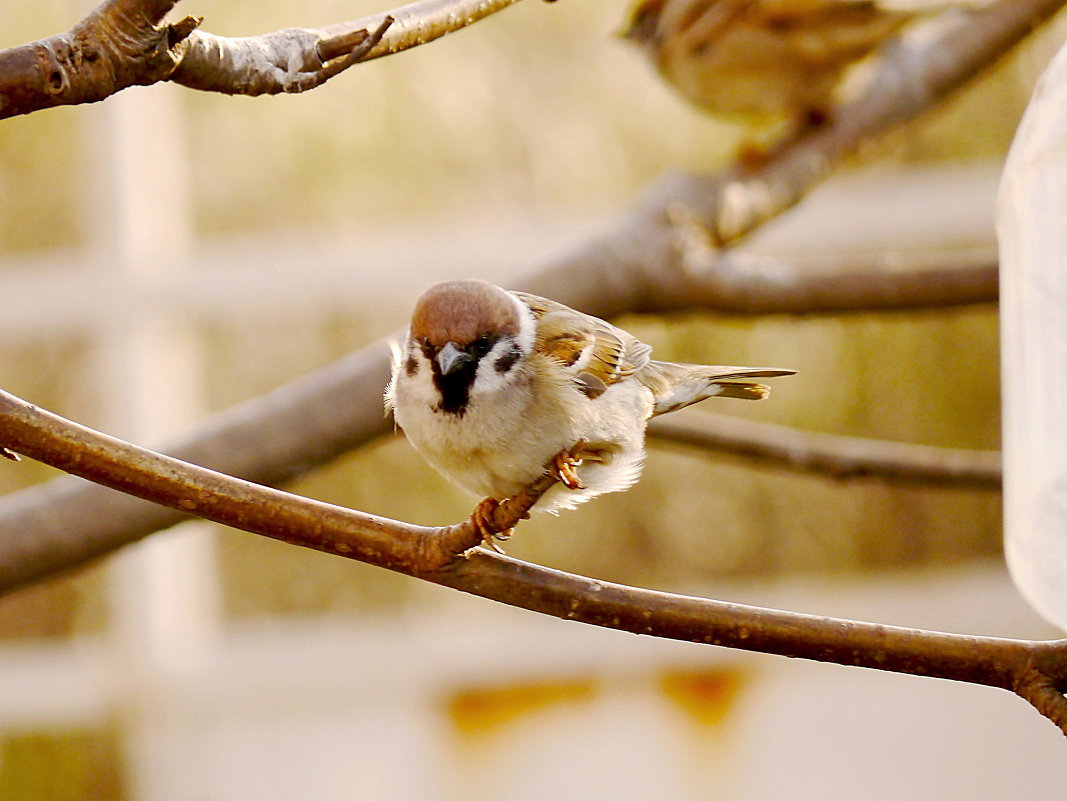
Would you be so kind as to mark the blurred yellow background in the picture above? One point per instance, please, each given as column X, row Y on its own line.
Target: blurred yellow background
column 307, row 226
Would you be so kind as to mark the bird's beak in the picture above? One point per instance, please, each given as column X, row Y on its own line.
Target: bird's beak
column 450, row 358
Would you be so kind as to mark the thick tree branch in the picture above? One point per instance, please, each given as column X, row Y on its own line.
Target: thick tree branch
column 832, row 455
column 1036, row 670
column 124, row 43
column 121, row 43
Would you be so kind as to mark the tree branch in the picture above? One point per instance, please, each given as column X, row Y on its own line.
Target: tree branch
column 833, row 455
column 124, row 43
column 121, row 43
column 1035, row 670
column 299, row 59
column 656, row 258
column 274, row 438
column 289, row 60
column 737, row 282
column 414, row 24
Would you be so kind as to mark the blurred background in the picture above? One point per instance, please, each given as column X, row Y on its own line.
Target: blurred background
column 210, row 664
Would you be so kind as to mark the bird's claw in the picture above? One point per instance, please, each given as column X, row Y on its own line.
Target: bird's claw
column 565, row 465
column 484, row 521
column 9, row 454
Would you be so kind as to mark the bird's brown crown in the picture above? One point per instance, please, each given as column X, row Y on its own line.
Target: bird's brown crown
column 463, row 311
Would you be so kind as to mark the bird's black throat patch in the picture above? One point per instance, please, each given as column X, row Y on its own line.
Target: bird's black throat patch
column 455, row 388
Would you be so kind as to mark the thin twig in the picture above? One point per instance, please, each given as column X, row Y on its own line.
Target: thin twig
column 1034, row 669
column 833, row 455
column 292, row 60
column 414, row 24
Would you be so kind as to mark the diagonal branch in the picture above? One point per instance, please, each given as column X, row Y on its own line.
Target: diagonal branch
column 1036, row 670
column 832, row 455
column 911, row 77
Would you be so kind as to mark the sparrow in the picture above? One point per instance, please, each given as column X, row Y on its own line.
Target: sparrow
column 494, row 387
column 764, row 61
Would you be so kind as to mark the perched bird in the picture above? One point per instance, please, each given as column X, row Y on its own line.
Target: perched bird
column 765, row 61
column 494, row 387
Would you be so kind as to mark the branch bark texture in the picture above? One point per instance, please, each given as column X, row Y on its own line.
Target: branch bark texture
column 124, row 43
column 121, row 43
column 1036, row 670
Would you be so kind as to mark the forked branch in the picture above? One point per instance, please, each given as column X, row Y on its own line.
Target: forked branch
column 1036, row 670
column 124, row 43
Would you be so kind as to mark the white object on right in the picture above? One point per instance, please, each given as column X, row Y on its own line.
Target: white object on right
column 1032, row 229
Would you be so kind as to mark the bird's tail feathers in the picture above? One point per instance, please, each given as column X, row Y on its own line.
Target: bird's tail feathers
column 676, row 386
column 743, row 391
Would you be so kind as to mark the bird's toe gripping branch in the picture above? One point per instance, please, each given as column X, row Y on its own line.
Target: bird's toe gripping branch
column 484, row 521
column 564, row 465
column 493, row 521
column 565, row 468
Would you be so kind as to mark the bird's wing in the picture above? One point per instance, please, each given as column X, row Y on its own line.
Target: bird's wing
column 597, row 353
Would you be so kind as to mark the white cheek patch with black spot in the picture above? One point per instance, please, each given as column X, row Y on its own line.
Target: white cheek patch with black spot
column 497, row 369
column 507, row 360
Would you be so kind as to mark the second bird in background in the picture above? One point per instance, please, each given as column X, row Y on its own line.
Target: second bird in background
column 767, row 61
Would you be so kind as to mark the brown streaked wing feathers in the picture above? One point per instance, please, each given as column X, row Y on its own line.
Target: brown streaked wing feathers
column 566, row 335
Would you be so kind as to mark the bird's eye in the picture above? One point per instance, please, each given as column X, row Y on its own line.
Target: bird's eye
column 481, row 346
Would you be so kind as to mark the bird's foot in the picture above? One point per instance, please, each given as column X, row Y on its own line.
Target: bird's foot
column 484, row 521
column 564, row 465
